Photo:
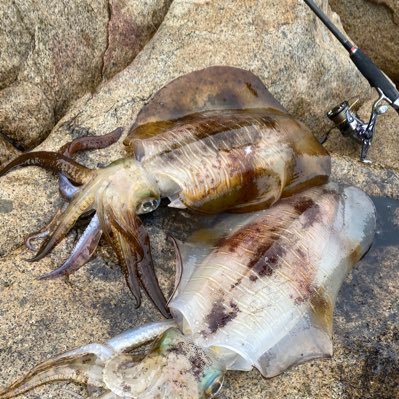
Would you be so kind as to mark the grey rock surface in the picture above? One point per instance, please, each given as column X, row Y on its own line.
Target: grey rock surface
column 308, row 72
column 374, row 26
column 53, row 52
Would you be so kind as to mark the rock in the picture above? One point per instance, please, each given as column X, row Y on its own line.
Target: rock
column 130, row 26
column 54, row 52
column 7, row 151
column 308, row 71
column 374, row 26
column 26, row 114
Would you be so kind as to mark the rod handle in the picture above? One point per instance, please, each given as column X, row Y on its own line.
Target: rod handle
column 375, row 76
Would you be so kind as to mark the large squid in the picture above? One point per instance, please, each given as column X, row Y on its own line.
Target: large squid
column 211, row 141
column 260, row 292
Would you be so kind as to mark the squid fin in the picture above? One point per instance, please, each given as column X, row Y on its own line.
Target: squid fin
column 310, row 338
column 210, row 89
column 188, row 256
column 178, row 266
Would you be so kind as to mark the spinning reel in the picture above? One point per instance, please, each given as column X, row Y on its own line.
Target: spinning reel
column 350, row 124
column 346, row 120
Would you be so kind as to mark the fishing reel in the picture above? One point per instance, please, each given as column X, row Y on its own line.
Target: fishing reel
column 351, row 125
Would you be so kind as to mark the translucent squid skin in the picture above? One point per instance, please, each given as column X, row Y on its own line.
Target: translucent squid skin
column 259, row 293
column 213, row 140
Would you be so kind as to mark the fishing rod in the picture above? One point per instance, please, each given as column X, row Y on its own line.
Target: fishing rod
column 347, row 121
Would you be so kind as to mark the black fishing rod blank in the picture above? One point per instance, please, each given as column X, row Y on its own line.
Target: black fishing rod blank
column 344, row 118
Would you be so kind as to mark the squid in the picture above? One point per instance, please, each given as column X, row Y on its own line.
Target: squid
column 213, row 140
column 259, row 291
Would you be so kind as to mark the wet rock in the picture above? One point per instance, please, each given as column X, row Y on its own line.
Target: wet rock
column 374, row 26
column 54, row 52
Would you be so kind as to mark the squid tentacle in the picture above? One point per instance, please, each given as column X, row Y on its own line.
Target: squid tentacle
column 126, row 259
column 128, row 262
column 67, row 189
column 133, row 232
column 45, row 231
column 68, row 218
column 89, row 143
column 148, row 278
column 54, row 161
column 82, row 252
column 83, row 365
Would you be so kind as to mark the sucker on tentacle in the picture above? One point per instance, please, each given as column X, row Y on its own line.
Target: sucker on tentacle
column 260, row 293
column 213, row 140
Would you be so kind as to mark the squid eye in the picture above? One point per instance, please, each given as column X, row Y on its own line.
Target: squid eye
column 148, row 205
column 213, row 389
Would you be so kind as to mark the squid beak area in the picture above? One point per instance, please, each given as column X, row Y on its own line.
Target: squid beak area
column 129, row 239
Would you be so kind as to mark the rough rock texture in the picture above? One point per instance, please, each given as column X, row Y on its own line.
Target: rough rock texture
column 53, row 52
column 374, row 26
column 7, row 151
column 307, row 70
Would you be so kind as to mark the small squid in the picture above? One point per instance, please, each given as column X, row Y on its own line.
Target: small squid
column 260, row 292
column 212, row 140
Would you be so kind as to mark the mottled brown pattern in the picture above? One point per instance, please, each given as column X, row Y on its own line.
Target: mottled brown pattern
column 220, row 315
column 212, row 88
column 310, row 209
column 266, row 265
column 197, row 366
column 303, row 204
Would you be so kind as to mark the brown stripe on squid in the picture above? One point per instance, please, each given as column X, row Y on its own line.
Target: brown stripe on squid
column 212, row 140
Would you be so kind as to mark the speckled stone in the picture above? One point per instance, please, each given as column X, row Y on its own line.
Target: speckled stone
column 54, row 51
column 42, row 318
column 374, row 26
